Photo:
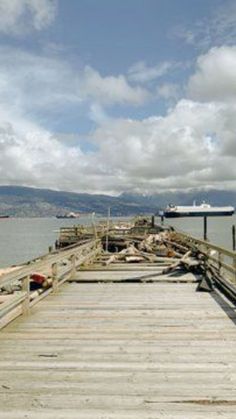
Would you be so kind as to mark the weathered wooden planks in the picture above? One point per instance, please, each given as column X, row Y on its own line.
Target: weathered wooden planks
column 131, row 272
column 121, row 350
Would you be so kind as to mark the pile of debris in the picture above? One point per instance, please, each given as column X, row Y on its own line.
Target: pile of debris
column 156, row 248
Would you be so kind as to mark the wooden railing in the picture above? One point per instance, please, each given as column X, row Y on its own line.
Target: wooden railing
column 73, row 234
column 58, row 266
column 222, row 259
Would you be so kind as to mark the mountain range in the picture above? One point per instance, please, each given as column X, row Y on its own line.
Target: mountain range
column 19, row 201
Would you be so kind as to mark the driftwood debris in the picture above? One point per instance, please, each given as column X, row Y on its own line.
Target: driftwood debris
column 151, row 249
column 186, row 262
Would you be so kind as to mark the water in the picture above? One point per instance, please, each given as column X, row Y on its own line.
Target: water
column 22, row 239
column 219, row 229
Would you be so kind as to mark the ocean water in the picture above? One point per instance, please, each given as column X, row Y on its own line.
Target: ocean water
column 22, row 239
column 219, row 229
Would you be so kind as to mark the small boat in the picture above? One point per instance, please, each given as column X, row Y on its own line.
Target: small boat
column 175, row 211
column 69, row 215
column 4, row 216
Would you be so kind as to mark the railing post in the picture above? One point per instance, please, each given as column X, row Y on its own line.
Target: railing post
column 108, row 227
column 233, row 238
column 220, row 259
column 26, row 288
column 73, row 267
column 206, row 260
column 234, row 265
column 54, row 277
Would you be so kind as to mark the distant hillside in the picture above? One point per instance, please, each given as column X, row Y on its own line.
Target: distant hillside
column 31, row 202
column 214, row 197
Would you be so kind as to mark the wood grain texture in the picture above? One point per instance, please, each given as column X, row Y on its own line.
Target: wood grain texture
column 121, row 350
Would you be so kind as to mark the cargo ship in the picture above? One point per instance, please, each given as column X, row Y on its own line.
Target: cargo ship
column 69, row 215
column 204, row 209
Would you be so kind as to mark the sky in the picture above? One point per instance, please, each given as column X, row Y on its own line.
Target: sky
column 112, row 96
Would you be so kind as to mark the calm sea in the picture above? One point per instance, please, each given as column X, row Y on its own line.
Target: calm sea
column 22, row 239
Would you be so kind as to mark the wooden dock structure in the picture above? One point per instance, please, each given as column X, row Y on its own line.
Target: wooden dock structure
column 118, row 341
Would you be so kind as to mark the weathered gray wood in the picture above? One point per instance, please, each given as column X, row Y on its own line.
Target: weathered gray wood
column 121, row 350
column 44, row 263
column 131, row 275
column 57, row 266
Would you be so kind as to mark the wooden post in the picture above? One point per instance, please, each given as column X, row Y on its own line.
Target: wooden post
column 205, row 228
column 94, row 226
column 26, row 288
column 234, row 265
column 233, row 238
column 161, row 214
column 73, row 267
column 153, row 221
column 54, row 277
column 108, row 225
column 220, row 258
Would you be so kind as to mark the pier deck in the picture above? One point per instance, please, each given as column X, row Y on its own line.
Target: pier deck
column 99, row 348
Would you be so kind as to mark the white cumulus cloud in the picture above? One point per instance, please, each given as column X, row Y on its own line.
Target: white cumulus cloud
column 111, row 89
column 192, row 145
column 37, row 82
column 168, row 91
column 20, row 16
column 141, row 73
column 215, row 76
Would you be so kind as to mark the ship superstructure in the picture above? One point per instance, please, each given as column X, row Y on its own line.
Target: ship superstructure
column 204, row 209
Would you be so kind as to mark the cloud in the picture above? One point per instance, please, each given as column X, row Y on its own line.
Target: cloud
column 34, row 82
column 168, row 91
column 111, row 89
column 215, row 76
column 98, row 114
column 41, row 83
column 193, row 145
column 216, row 29
column 19, row 16
column 141, row 73
column 32, row 85
column 33, row 156
column 223, row 23
column 157, row 149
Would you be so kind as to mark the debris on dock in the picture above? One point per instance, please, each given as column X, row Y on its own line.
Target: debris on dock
column 139, row 241
column 114, row 327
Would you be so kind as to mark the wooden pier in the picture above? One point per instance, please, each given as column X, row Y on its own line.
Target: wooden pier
column 119, row 341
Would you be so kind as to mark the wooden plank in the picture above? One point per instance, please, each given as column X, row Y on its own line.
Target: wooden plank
column 121, row 350
column 137, row 275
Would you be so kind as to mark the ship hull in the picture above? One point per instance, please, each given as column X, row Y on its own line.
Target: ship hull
column 65, row 217
column 176, row 214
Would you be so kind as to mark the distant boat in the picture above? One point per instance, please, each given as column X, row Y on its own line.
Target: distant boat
column 4, row 216
column 69, row 215
column 175, row 211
